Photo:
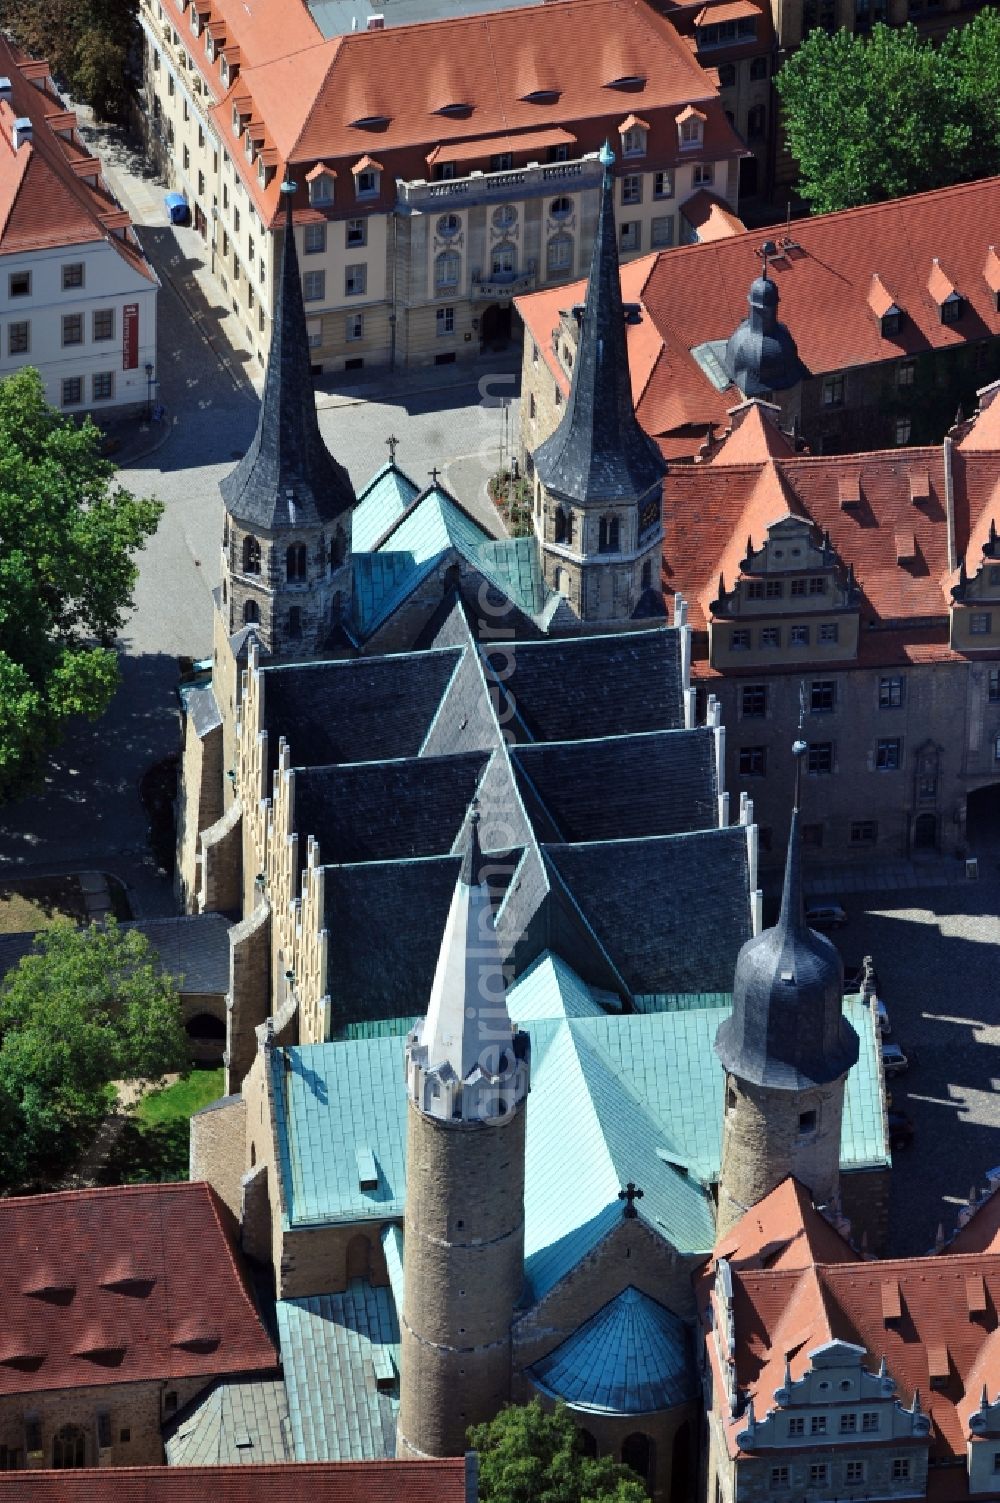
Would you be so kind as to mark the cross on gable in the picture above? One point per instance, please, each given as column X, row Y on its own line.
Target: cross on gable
column 435, row 472
column 630, row 1195
column 391, row 444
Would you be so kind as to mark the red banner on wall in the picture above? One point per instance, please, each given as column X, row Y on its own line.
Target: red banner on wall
column 130, row 336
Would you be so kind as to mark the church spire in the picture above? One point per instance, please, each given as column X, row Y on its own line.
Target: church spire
column 465, row 1059
column 599, row 452
column 287, row 476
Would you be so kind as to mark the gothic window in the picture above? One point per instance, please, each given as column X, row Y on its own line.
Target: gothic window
column 637, row 1453
column 608, row 535
column 251, row 612
column 69, row 1448
column 564, row 526
column 295, row 561
column 251, row 556
column 338, row 549
column 649, row 517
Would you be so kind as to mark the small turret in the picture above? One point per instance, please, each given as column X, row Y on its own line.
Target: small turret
column 761, row 355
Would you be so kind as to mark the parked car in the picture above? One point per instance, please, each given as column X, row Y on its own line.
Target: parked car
column 882, row 1013
column 826, row 916
column 901, row 1130
column 894, row 1061
column 178, row 210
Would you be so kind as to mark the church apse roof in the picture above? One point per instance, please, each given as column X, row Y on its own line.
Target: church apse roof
column 383, row 501
column 632, row 1357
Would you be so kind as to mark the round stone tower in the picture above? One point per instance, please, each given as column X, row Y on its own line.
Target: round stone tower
column 786, row 1049
column 467, row 1072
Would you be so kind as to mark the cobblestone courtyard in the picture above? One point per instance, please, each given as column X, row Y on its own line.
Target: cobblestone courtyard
column 936, row 952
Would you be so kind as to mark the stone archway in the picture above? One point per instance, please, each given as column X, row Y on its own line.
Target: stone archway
column 638, row 1454
column 495, row 326
column 681, row 1467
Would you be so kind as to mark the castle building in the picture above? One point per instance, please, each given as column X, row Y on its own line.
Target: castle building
column 443, row 166
column 786, row 1049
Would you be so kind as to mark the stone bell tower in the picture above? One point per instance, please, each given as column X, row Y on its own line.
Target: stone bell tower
column 786, row 1049
column 287, row 538
column 599, row 476
column 467, row 1075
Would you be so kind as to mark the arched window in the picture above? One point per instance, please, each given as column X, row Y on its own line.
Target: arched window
column 251, row 612
column 560, row 254
column 608, row 535
column 448, row 226
column 251, row 556
column 588, row 1445
column 338, row 548
column 727, row 75
column 447, row 268
column 756, row 121
column 69, row 1448
column 561, row 208
column 295, row 622
column 637, row 1453
column 647, row 575
column 560, row 525
column 295, row 561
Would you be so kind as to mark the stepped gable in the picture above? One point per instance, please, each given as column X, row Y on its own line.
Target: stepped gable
column 662, row 783
column 671, row 911
column 593, row 686
column 387, row 811
column 441, row 1481
column 78, row 1314
column 361, row 710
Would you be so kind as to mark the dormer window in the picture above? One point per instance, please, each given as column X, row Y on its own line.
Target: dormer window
column 952, row 308
column 248, row 146
column 892, row 322
column 320, row 182
column 633, row 132
column 691, row 128
column 210, row 47
column 224, row 70
column 367, row 178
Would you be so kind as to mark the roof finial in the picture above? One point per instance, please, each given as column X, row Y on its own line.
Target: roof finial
column 472, row 859
column 606, row 157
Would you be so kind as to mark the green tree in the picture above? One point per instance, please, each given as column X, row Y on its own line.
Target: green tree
column 877, row 117
column 88, row 44
column 68, row 536
column 527, row 1455
column 85, row 1008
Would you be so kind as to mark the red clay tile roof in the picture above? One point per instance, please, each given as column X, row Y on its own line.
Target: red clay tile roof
column 308, row 1482
column 784, row 1230
column 914, row 1312
column 50, row 190
column 697, row 293
column 711, row 216
column 492, row 63
column 120, row 1285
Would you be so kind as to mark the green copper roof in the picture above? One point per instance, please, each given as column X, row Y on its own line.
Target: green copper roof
column 630, row 1097
column 632, row 1357
column 378, row 1028
column 340, row 1354
column 416, row 546
column 587, row 1129
column 383, row 501
column 330, row 1101
column 549, row 988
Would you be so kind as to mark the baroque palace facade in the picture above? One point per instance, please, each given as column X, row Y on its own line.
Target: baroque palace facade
column 442, row 167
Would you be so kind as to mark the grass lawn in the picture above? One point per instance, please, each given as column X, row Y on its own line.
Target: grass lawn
column 176, row 1103
column 39, row 902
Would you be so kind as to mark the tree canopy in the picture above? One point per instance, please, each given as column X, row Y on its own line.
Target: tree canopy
column 68, row 536
column 878, row 117
column 527, row 1455
column 87, row 43
column 85, row 1008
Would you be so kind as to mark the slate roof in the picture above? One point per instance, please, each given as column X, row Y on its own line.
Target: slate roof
column 672, row 910
column 194, row 949
column 330, row 1344
column 383, row 501
column 599, row 454
column 631, row 1357
column 419, row 542
column 123, row 1285
column 288, row 477
column 234, row 1423
column 592, row 686
column 358, row 710
column 439, row 1481
column 659, row 783
column 415, row 806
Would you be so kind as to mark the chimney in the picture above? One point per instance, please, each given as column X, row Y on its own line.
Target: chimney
column 6, row 90
column 21, row 131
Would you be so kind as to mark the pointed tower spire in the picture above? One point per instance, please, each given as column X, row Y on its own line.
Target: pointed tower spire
column 599, row 452
column 287, row 476
column 466, row 1059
